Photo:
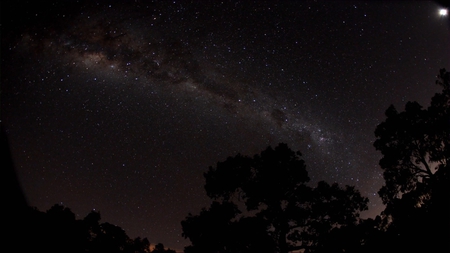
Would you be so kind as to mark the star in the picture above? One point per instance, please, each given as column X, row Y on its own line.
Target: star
column 443, row 12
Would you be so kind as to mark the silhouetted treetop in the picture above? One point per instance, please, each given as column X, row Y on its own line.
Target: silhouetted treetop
column 415, row 144
column 273, row 176
column 280, row 209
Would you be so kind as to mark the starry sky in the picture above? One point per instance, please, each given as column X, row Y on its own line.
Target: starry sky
column 121, row 106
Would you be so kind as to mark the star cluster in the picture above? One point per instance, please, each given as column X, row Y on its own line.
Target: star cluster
column 121, row 107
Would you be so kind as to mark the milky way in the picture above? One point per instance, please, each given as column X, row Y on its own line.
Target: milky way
column 122, row 107
column 97, row 43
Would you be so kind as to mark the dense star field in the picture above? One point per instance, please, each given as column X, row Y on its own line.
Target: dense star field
column 122, row 106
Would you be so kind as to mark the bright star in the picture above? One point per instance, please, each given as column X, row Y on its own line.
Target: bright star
column 443, row 12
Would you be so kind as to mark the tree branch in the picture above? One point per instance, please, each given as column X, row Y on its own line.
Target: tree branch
column 422, row 159
column 417, row 169
column 424, row 162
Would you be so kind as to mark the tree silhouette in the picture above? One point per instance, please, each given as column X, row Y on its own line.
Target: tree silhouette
column 284, row 212
column 57, row 230
column 415, row 145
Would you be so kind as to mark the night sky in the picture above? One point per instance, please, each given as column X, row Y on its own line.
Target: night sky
column 121, row 107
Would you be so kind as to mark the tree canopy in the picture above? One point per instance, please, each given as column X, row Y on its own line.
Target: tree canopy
column 269, row 191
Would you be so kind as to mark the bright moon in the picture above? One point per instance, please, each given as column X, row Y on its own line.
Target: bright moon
column 443, row 12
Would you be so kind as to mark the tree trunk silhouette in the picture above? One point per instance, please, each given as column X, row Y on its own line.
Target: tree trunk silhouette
column 282, row 242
